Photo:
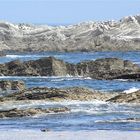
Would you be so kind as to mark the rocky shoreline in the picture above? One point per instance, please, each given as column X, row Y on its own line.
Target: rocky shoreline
column 58, row 95
column 106, row 68
column 30, row 112
column 72, row 93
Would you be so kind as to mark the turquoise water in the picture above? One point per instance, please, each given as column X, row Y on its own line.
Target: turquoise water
column 93, row 115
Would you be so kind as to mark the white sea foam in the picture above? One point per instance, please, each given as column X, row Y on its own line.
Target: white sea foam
column 58, row 79
column 53, row 78
column 131, row 90
column 22, row 104
column 123, row 80
column 88, row 111
column 68, row 102
column 117, row 121
column 88, row 78
column 88, row 107
column 137, row 62
column 13, row 56
column 25, row 56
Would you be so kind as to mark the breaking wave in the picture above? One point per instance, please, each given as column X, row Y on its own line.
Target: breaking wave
column 131, row 90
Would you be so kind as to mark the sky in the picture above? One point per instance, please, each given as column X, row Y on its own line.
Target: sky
column 66, row 11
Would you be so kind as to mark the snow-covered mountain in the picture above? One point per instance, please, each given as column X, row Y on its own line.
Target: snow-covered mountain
column 87, row 36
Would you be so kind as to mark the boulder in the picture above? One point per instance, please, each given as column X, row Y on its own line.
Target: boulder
column 49, row 66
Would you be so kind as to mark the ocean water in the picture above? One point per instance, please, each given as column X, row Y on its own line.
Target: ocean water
column 93, row 115
column 73, row 57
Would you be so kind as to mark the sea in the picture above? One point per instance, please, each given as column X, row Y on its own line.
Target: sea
column 84, row 115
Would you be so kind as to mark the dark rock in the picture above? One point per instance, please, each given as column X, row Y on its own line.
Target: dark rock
column 135, row 77
column 30, row 112
column 107, row 68
column 73, row 93
column 12, row 85
column 56, row 94
column 126, row 98
column 45, row 67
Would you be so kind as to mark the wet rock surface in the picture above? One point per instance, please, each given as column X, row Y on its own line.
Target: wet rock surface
column 56, row 94
column 133, row 119
column 107, row 68
column 130, row 77
column 30, row 112
column 6, row 85
column 126, row 98
column 73, row 93
column 45, row 67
